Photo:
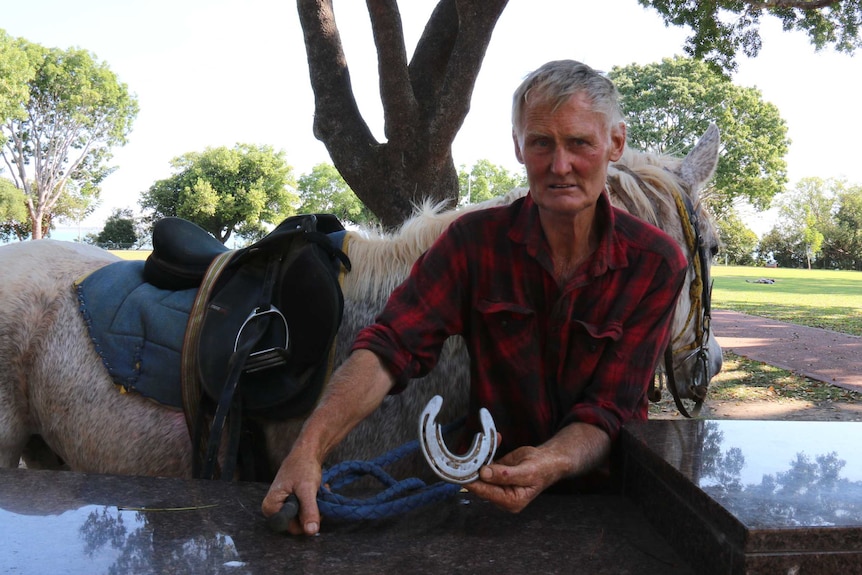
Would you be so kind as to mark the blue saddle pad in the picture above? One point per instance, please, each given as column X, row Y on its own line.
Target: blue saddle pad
column 137, row 329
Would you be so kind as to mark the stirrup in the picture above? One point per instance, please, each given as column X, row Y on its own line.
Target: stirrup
column 265, row 358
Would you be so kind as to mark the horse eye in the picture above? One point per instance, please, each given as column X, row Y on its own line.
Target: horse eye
column 713, row 249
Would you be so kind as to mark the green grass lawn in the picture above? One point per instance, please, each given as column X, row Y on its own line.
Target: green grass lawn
column 131, row 254
column 816, row 298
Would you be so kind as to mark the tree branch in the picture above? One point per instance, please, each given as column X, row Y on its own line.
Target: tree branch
column 477, row 19
column 337, row 116
column 396, row 94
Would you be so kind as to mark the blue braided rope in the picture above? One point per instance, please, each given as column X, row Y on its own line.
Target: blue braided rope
column 398, row 497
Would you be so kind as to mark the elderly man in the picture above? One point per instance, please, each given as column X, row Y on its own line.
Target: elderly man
column 564, row 303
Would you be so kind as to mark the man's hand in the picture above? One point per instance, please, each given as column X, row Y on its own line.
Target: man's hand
column 353, row 392
column 299, row 476
column 513, row 481
column 518, row 477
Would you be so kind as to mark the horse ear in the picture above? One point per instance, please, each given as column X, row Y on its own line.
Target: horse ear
column 699, row 165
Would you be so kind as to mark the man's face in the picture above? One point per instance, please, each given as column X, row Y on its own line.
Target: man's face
column 566, row 153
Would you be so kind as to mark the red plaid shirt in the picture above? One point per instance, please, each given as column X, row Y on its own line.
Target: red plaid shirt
column 541, row 357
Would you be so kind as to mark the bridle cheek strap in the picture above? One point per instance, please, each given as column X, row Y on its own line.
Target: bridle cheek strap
column 700, row 294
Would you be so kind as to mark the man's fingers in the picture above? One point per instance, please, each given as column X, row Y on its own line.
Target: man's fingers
column 309, row 514
column 280, row 520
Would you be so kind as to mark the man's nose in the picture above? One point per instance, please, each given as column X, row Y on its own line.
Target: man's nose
column 562, row 161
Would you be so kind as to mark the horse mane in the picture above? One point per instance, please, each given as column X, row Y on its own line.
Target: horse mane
column 644, row 185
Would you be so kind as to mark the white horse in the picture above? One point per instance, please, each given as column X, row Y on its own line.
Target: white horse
column 55, row 391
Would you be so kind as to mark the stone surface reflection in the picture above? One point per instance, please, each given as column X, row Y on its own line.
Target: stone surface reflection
column 106, row 539
column 144, row 542
column 753, row 494
column 796, row 478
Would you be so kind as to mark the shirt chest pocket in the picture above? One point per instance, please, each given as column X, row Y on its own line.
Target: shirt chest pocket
column 588, row 342
column 511, row 330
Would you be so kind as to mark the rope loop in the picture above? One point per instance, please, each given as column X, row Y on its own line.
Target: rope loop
column 397, row 497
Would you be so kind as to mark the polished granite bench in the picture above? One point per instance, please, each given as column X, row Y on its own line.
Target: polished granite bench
column 72, row 523
column 696, row 497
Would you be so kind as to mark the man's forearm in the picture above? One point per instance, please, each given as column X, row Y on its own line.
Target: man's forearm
column 355, row 390
column 576, row 449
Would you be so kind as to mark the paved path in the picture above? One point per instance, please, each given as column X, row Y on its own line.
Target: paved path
column 820, row 354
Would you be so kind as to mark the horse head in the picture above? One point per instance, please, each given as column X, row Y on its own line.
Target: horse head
column 665, row 191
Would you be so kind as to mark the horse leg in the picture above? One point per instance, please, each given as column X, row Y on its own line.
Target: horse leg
column 38, row 455
column 13, row 430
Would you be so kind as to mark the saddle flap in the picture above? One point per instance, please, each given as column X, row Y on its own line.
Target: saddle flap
column 307, row 296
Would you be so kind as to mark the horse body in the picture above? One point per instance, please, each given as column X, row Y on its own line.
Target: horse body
column 53, row 383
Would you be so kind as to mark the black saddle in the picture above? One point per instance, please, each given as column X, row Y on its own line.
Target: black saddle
column 262, row 326
column 182, row 250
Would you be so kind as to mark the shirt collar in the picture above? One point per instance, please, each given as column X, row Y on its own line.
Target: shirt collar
column 608, row 255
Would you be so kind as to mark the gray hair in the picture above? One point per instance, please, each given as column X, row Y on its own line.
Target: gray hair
column 559, row 80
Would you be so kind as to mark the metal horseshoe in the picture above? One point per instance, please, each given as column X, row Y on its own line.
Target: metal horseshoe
column 453, row 468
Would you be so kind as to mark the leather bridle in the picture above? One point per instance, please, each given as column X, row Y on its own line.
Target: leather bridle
column 699, row 313
column 700, row 294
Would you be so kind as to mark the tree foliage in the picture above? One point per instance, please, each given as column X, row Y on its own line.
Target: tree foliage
column 16, row 72
column 59, row 138
column 486, row 180
column 842, row 248
column 738, row 241
column 119, row 231
column 325, row 191
column 12, row 209
column 226, row 190
column 668, row 105
column 723, row 28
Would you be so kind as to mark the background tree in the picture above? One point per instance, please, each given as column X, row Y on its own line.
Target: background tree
column 76, row 205
column 842, row 245
column 426, row 98
column 226, row 190
column 75, row 112
column 325, row 191
column 804, row 216
column 724, row 27
column 486, row 180
column 12, row 209
column 669, row 105
column 783, row 247
column 119, row 231
column 16, row 72
column 738, row 241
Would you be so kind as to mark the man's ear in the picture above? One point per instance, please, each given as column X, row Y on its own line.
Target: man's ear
column 518, row 153
column 618, row 141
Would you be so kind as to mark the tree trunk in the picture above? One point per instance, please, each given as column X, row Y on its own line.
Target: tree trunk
column 424, row 102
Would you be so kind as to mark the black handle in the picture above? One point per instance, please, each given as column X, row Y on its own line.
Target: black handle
column 279, row 521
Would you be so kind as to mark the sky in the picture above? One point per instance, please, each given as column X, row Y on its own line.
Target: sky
column 211, row 73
